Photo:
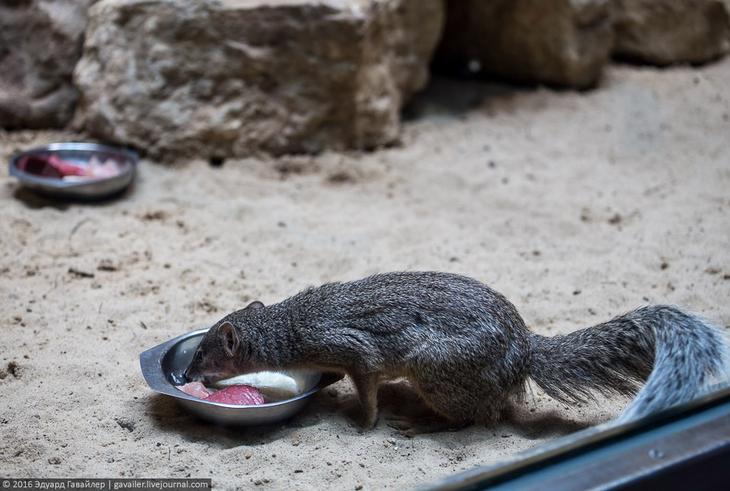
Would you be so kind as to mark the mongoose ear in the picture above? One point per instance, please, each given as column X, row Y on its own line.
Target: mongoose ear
column 229, row 338
column 255, row 305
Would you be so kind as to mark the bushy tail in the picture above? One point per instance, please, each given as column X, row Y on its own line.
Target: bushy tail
column 676, row 353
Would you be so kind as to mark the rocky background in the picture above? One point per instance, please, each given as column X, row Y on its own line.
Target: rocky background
column 224, row 78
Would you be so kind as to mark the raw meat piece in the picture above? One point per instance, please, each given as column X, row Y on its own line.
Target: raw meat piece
column 196, row 389
column 64, row 167
column 241, row 395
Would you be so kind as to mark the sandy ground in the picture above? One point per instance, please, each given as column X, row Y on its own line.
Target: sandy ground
column 577, row 206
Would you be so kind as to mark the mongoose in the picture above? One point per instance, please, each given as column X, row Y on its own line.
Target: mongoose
column 463, row 347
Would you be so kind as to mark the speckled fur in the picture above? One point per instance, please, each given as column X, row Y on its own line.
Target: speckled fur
column 463, row 346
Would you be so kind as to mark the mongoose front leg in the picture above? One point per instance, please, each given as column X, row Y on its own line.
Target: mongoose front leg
column 367, row 391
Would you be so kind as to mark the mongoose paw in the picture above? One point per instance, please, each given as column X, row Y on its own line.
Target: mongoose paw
column 367, row 423
column 404, row 426
column 410, row 427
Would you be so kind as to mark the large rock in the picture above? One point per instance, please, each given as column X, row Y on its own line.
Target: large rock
column 230, row 77
column 663, row 32
column 556, row 42
column 40, row 43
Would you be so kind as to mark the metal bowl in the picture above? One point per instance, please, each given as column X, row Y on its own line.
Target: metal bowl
column 163, row 364
column 80, row 154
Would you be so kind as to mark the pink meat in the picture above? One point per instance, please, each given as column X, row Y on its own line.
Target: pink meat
column 64, row 167
column 196, row 389
column 240, row 395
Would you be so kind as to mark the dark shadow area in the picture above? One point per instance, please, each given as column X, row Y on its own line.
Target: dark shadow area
column 447, row 97
column 638, row 62
column 398, row 401
column 216, row 161
column 541, row 425
column 167, row 416
column 34, row 199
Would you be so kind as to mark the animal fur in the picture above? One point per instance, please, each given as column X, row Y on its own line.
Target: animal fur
column 464, row 347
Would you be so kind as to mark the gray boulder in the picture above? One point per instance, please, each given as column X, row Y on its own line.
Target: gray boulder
column 226, row 78
column 555, row 42
column 663, row 32
column 40, row 43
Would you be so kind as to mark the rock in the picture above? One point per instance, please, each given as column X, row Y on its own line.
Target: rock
column 40, row 43
column 226, row 78
column 663, row 32
column 555, row 42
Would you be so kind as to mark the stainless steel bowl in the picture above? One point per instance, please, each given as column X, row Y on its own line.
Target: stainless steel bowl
column 81, row 154
column 163, row 364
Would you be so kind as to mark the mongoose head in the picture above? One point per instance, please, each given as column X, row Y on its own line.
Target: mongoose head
column 223, row 352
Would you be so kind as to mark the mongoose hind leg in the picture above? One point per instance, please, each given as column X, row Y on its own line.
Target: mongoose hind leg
column 411, row 427
column 367, row 391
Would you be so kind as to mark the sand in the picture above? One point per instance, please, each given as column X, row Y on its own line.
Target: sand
column 576, row 206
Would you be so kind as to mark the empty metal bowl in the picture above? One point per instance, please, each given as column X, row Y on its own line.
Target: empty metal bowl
column 78, row 154
column 163, row 365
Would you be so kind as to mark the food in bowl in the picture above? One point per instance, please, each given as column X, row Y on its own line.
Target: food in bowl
column 239, row 395
column 195, row 389
column 246, row 390
column 53, row 166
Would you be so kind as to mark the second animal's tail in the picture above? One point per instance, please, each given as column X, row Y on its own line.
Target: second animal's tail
column 676, row 353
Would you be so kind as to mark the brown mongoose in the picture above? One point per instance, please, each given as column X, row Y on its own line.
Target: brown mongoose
column 463, row 346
